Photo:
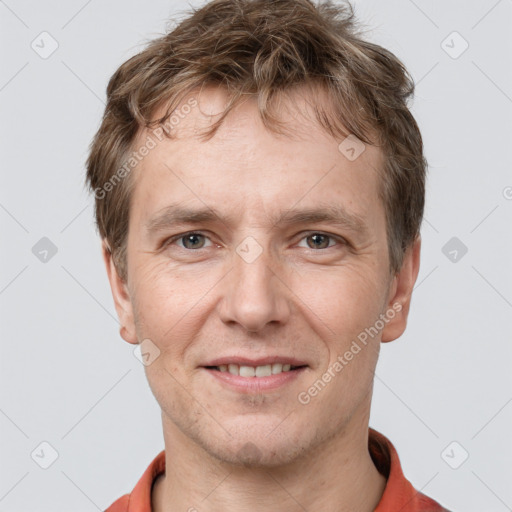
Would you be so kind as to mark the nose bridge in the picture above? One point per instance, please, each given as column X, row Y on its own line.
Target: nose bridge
column 254, row 296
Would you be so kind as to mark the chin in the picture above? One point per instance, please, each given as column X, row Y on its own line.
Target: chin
column 255, row 455
column 253, row 446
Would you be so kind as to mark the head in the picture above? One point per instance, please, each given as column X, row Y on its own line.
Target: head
column 237, row 127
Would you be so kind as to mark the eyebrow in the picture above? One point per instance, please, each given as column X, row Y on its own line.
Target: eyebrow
column 175, row 215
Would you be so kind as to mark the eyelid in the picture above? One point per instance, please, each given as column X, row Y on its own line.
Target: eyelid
column 305, row 234
column 175, row 238
column 337, row 238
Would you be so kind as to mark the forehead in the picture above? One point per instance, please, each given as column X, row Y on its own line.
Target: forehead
column 295, row 110
column 246, row 165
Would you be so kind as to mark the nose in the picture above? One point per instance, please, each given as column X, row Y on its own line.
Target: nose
column 254, row 295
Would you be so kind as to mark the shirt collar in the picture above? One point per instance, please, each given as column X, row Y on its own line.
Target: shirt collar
column 399, row 494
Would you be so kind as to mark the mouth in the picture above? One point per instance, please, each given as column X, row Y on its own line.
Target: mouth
column 255, row 376
column 265, row 370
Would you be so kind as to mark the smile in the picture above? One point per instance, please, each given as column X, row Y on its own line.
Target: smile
column 256, row 378
column 254, row 371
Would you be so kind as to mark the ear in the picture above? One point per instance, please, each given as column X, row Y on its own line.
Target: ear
column 399, row 299
column 121, row 297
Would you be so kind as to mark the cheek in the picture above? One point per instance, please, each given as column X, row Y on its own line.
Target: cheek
column 346, row 299
column 344, row 380
column 164, row 298
column 340, row 311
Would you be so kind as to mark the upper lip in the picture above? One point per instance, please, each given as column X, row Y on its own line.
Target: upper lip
column 261, row 361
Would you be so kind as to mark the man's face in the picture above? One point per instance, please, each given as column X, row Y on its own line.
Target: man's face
column 255, row 287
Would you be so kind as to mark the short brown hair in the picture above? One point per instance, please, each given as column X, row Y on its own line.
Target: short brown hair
column 261, row 48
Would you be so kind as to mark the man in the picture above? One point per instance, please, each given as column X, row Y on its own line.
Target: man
column 259, row 185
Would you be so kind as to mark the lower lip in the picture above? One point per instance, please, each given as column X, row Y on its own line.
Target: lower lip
column 256, row 384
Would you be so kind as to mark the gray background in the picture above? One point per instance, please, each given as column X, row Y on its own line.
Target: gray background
column 67, row 378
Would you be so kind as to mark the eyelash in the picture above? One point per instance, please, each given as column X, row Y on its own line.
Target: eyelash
column 338, row 239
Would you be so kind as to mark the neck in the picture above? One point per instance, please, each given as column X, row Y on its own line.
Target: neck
column 339, row 476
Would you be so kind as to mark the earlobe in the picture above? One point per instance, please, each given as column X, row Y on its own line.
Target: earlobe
column 399, row 300
column 121, row 296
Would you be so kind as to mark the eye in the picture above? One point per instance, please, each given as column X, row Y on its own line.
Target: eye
column 320, row 240
column 190, row 240
column 195, row 241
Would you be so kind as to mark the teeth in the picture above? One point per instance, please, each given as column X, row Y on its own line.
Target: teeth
column 247, row 371
column 255, row 371
column 262, row 371
column 277, row 368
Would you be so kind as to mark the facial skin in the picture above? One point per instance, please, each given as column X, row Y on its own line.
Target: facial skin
column 293, row 300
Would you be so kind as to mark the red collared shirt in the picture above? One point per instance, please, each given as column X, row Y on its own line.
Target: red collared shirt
column 399, row 494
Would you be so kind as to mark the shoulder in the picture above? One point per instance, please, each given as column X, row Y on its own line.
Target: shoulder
column 427, row 504
column 139, row 500
column 120, row 505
